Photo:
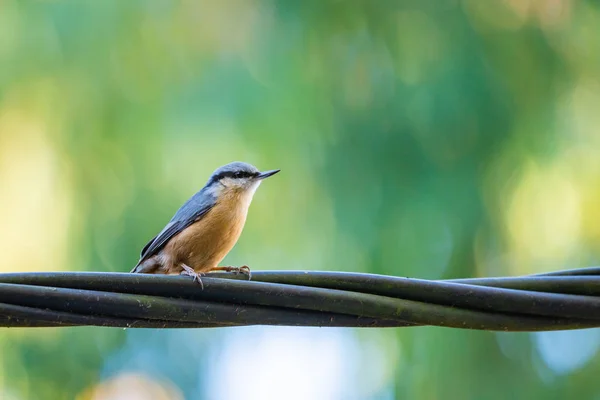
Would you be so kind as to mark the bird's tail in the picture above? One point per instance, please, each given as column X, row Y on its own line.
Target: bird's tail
column 145, row 266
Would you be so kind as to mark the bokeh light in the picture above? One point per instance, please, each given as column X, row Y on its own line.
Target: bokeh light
column 422, row 139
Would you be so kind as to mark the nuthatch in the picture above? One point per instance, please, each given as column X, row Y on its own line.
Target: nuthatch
column 206, row 227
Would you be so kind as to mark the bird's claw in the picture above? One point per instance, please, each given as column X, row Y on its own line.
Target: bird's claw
column 187, row 271
column 244, row 269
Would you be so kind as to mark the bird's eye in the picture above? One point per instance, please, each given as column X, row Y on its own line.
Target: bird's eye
column 237, row 174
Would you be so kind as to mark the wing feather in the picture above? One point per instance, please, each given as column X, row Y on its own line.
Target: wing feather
column 193, row 210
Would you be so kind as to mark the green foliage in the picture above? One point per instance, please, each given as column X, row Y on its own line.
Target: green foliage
column 421, row 139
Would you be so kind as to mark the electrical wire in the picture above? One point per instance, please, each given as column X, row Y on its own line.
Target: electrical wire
column 553, row 301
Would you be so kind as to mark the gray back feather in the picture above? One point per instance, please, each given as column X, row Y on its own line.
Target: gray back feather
column 191, row 211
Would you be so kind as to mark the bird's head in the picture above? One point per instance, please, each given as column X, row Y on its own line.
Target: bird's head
column 237, row 177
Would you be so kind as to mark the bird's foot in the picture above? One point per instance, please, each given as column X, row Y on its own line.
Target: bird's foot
column 244, row 269
column 189, row 271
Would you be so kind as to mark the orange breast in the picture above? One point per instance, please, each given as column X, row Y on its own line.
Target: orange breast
column 204, row 244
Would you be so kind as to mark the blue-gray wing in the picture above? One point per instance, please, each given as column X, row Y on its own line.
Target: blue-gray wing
column 193, row 210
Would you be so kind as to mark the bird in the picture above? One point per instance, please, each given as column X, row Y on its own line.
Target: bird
column 206, row 227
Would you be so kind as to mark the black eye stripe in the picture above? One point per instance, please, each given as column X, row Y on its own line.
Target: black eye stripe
column 243, row 174
column 239, row 174
column 234, row 174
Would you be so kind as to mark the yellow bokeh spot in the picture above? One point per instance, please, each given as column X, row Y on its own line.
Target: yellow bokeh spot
column 544, row 219
column 35, row 199
column 131, row 386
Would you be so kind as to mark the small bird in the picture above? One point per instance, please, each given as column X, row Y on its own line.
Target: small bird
column 206, row 227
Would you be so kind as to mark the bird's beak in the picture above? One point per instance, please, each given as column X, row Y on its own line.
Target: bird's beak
column 267, row 174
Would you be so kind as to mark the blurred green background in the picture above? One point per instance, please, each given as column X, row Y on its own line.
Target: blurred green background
column 430, row 139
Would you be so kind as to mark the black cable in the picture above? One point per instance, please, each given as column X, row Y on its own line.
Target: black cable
column 563, row 300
